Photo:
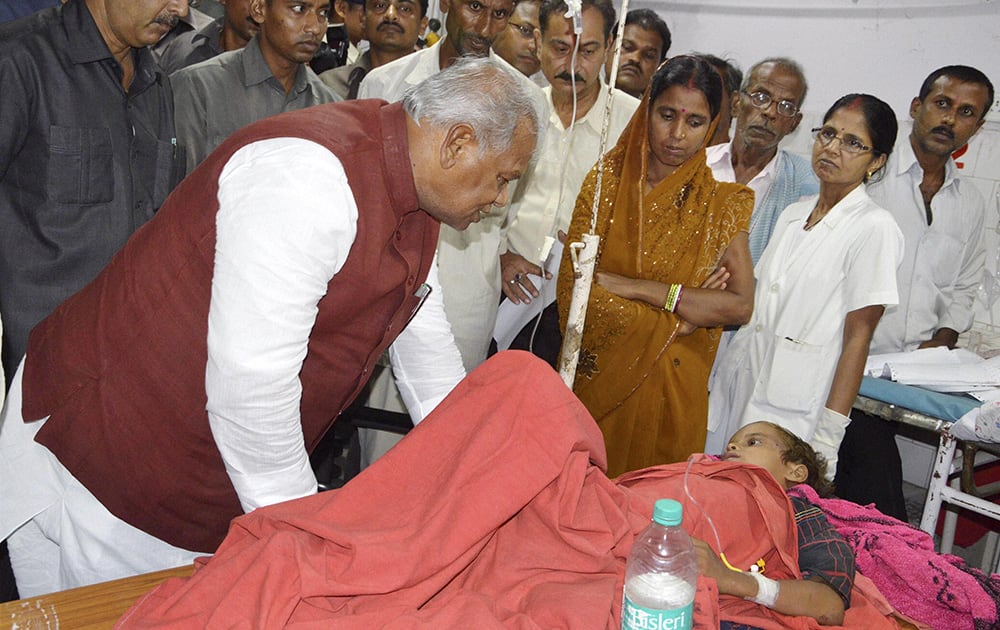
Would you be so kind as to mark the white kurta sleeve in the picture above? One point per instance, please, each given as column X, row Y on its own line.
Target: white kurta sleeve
column 286, row 222
column 425, row 359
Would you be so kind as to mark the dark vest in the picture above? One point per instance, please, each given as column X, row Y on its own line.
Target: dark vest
column 119, row 368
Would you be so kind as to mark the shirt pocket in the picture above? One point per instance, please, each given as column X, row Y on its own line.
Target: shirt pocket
column 793, row 376
column 81, row 165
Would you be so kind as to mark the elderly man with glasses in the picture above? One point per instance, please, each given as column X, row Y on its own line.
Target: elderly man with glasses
column 766, row 109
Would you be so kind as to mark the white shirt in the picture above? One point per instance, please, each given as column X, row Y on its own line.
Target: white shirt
column 544, row 201
column 943, row 262
column 719, row 158
column 279, row 240
column 780, row 366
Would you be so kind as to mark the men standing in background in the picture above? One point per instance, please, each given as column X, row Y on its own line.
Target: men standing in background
column 232, row 31
column 543, row 204
column 87, row 150
column 518, row 43
column 393, row 27
column 941, row 215
column 644, row 46
column 270, row 75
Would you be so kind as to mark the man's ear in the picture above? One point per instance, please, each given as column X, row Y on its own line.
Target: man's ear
column 914, row 106
column 444, row 5
column 258, row 10
column 734, row 101
column 457, row 144
column 796, row 473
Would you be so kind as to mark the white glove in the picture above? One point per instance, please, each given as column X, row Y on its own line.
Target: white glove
column 827, row 438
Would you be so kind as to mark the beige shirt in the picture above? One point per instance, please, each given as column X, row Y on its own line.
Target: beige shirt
column 544, row 201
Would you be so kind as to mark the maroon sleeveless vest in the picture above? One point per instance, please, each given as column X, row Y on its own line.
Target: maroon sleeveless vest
column 119, row 368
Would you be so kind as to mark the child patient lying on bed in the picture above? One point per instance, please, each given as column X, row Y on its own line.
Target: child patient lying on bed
column 825, row 559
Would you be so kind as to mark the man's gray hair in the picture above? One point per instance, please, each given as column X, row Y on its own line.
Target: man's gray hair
column 481, row 94
column 784, row 63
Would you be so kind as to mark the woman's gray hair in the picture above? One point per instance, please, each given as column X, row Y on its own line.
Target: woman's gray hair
column 480, row 93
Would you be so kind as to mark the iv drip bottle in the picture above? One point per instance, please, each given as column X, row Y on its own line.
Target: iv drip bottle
column 661, row 574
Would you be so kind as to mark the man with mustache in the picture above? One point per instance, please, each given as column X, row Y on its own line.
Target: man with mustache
column 644, row 46
column 766, row 109
column 232, row 31
column 214, row 98
column 941, row 215
column 229, row 334
column 543, row 205
column 393, row 27
column 468, row 260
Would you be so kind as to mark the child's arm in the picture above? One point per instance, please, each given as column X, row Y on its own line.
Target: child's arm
column 811, row 598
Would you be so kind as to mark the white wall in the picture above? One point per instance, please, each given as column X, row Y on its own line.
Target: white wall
column 882, row 47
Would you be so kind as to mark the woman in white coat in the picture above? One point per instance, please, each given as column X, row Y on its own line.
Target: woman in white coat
column 822, row 284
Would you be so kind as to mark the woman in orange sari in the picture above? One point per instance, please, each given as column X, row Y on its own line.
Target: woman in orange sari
column 673, row 267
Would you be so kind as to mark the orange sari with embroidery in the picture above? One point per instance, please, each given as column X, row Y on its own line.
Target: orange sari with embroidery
column 646, row 386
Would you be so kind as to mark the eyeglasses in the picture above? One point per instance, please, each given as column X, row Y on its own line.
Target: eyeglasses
column 527, row 31
column 848, row 142
column 763, row 100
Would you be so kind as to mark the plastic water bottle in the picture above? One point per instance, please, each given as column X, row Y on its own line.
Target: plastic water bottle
column 661, row 574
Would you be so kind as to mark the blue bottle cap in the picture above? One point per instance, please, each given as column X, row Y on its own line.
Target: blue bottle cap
column 667, row 512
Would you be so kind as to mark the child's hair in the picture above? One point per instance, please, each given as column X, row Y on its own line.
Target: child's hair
column 798, row 451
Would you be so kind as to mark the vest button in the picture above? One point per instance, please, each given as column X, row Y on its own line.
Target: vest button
column 410, row 280
column 399, row 235
column 677, row 362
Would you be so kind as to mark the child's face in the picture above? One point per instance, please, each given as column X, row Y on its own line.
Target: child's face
column 761, row 444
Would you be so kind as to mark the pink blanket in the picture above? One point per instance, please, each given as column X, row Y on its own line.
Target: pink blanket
column 939, row 590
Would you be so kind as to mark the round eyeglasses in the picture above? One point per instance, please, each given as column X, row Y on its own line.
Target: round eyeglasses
column 763, row 100
column 527, row 31
column 849, row 143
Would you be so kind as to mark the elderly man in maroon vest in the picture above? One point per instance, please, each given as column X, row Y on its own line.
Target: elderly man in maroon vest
column 187, row 384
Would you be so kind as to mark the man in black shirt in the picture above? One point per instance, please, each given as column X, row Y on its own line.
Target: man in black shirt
column 87, row 149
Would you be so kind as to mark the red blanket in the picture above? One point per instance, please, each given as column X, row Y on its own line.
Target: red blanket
column 493, row 513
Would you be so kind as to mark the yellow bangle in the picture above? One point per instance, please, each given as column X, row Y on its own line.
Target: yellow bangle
column 673, row 297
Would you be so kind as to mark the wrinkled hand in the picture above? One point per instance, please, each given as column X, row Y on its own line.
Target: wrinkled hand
column 514, row 270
